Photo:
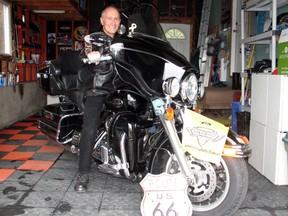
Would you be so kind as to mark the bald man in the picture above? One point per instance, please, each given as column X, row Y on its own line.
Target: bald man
column 95, row 96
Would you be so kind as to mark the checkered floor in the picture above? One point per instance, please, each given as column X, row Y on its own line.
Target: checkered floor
column 37, row 178
column 24, row 147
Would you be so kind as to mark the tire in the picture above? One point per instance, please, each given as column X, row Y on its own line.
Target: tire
column 220, row 189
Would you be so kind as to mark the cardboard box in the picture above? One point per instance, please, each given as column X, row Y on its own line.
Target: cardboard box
column 283, row 53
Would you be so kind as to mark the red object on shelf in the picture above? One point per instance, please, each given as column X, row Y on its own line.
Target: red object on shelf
column 237, row 95
column 275, row 72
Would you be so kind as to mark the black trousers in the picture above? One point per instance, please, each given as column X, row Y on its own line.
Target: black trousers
column 91, row 123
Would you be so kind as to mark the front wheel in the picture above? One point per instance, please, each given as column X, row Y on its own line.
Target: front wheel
column 220, row 189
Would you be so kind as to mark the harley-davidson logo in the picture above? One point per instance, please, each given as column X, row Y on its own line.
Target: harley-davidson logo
column 118, row 103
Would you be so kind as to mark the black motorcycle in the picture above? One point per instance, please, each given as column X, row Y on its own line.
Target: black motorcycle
column 142, row 122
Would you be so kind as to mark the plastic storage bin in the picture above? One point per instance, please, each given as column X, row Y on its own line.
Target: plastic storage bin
column 236, row 107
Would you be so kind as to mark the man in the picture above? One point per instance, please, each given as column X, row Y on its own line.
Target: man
column 95, row 97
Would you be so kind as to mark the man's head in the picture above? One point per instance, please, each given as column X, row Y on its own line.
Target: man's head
column 110, row 20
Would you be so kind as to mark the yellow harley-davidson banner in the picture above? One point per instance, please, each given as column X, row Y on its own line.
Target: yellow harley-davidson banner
column 203, row 138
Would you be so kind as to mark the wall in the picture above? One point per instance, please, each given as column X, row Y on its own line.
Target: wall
column 19, row 102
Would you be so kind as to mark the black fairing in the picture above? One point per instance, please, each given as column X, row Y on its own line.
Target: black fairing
column 144, row 61
column 147, row 57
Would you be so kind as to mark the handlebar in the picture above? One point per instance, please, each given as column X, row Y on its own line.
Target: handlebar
column 101, row 58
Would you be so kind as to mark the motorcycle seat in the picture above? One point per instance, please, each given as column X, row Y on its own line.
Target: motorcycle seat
column 67, row 67
column 70, row 76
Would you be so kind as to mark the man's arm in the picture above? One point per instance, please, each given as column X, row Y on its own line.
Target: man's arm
column 87, row 48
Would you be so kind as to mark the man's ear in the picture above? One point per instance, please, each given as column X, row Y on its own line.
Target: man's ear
column 101, row 21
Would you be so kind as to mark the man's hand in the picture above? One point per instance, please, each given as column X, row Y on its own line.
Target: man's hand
column 94, row 55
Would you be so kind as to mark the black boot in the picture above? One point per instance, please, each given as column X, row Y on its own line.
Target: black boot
column 82, row 183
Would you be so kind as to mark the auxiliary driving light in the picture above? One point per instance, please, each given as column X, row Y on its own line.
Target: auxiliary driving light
column 171, row 86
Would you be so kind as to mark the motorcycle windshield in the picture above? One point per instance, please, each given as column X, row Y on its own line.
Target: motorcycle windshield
column 146, row 24
column 147, row 58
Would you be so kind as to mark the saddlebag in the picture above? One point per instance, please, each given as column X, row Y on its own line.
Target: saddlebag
column 60, row 121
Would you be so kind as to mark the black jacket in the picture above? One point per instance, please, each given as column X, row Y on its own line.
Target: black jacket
column 99, row 77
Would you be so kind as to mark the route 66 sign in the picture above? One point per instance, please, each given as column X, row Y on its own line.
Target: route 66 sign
column 165, row 195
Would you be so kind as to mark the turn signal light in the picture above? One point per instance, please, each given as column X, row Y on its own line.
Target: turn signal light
column 229, row 152
column 169, row 114
column 244, row 139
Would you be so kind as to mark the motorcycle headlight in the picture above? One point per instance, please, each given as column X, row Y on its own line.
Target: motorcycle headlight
column 189, row 88
column 171, row 86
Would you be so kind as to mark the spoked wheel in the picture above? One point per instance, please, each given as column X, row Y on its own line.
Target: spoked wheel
column 212, row 183
column 220, row 188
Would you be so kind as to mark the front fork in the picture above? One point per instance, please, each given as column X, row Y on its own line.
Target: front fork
column 171, row 131
column 160, row 108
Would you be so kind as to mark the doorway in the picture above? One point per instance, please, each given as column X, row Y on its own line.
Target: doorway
column 179, row 37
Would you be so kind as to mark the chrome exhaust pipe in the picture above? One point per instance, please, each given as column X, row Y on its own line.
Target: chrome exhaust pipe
column 125, row 165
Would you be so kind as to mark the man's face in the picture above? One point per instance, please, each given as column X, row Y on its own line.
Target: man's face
column 110, row 21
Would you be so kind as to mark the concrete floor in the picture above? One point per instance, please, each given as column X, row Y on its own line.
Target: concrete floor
column 41, row 190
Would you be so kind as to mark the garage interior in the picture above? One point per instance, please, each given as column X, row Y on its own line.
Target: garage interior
column 234, row 47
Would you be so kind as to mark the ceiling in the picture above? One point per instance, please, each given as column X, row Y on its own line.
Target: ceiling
column 71, row 8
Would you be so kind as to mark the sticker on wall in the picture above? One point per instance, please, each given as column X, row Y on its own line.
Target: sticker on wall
column 79, row 45
column 80, row 32
column 51, row 38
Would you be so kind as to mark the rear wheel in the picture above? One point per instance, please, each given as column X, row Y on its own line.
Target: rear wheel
column 220, row 188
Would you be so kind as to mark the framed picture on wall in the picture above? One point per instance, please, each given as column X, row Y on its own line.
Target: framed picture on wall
column 80, row 32
column 64, row 48
column 78, row 45
column 64, row 38
column 51, row 38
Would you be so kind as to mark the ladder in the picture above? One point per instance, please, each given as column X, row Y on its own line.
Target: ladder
column 202, row 44
column 204, row 23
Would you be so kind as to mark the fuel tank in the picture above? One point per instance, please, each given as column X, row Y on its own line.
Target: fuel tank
column 126, row 100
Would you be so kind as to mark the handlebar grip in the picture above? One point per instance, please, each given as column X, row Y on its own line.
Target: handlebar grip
column 101, row 58
column 85, row 60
